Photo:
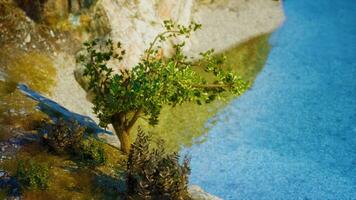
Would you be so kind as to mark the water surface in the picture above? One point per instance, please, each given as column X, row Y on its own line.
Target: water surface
column 293, row 135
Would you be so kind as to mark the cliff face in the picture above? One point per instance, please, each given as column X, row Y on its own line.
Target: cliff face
column 225, row 22
column 136, row 23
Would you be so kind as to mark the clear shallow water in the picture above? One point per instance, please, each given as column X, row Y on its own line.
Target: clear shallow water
column 293, row 135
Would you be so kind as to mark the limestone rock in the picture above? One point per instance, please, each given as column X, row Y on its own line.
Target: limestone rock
column 227, row 23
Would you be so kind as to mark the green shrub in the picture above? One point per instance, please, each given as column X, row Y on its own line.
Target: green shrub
column 62, row 136
column 32, row 175
column 67, row 137
column 153, row 174
column 91, row 152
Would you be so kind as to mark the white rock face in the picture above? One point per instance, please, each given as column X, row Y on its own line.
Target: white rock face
column 225, row 23
column 234, row 21
column 136, row 23
column 68, row 92
column 129, row 23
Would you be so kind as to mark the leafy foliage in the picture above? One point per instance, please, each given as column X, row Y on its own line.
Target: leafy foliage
column 91, row 152
column 121, row 98
column 33, row 175
column 62, row 136
column 153, row 174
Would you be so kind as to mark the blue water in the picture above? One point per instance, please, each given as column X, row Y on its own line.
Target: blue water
column 293, row 135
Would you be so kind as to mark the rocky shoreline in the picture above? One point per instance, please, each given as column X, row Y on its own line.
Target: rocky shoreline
column 226, row 23
column 11, row 146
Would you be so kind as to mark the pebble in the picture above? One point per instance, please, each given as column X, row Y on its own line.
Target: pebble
column 3, row 148
column 28, row 38
column 22, row 111
column 28, row 19
column 52, row 34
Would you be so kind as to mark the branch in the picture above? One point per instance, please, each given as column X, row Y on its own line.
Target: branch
column 134, row 118
column 155, row 40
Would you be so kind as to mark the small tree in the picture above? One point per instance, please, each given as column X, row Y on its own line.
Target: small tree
column 122, row 98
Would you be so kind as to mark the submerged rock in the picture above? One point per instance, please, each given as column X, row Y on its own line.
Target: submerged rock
column 197, row 193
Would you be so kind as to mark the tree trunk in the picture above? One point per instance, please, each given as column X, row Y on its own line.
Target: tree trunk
column 125, row 141
column 124, row 137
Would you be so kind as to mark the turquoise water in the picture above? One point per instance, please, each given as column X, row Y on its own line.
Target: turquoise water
column 293, row 135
